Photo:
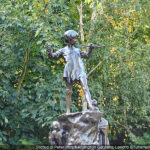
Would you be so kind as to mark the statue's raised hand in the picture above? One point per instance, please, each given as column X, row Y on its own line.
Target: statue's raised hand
column 91, row 46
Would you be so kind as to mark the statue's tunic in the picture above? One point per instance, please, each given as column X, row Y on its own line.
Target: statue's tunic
column 74, row 68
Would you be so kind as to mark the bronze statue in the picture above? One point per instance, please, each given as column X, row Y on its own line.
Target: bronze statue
column 74, row 68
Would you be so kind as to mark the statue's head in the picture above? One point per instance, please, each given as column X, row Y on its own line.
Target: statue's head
column 70, row 35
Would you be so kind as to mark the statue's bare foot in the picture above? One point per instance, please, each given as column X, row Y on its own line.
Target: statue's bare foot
column 91, row 107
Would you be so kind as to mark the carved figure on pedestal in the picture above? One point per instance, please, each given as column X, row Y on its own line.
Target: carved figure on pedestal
column 56, row 135
column 74, row 68
column 103, row 132
column 102, row 127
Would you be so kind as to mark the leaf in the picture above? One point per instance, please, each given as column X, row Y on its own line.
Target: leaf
column 6, row 120
column 38, row 31
column 25, row 142
column 88, row 1
column 39, row 42
column 1, row 71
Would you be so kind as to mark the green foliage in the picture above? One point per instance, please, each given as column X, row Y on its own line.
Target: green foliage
column 32, row 93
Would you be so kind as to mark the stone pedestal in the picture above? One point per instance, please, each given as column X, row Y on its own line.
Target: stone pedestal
column 81, row 128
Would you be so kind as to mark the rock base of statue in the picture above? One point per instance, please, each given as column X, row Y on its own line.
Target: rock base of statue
column 80, row 128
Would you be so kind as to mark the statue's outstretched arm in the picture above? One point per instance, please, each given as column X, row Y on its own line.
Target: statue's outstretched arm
column 52, row 55
column 87, row 54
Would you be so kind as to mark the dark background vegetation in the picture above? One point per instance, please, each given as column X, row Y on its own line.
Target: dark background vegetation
column 32, row 93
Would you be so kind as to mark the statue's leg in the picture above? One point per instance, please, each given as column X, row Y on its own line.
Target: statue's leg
column 84, row 104
column 87, row 94
column 68, row 96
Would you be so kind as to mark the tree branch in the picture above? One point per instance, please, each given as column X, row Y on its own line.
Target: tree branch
column 24, row 70
column 81, row 21
column 100, row 62
column 94, row 68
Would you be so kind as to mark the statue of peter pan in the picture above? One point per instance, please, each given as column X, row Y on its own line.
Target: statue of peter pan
column 74, row 68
